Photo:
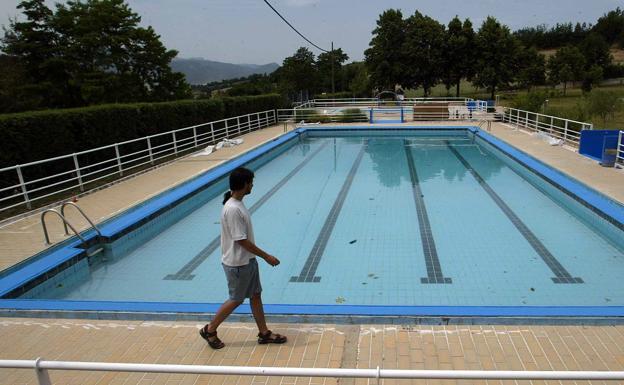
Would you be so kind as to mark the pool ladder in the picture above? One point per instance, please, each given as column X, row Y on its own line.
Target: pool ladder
column 66, row 224
column 486, row 123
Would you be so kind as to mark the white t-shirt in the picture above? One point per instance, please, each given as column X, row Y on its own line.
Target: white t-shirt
column 235, row 226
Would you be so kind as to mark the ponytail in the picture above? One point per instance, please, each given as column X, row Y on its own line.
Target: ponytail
column 227, row 196
column 238, row 178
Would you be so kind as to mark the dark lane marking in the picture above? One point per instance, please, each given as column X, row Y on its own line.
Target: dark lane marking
column 561, row 274
column 432, row 262
column 314, row 258
column 185, row 273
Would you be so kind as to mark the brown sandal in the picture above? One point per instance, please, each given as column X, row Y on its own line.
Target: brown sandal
column 211, row 338
column 270, row 338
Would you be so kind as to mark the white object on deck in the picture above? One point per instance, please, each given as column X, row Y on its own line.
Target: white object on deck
column 207, row 151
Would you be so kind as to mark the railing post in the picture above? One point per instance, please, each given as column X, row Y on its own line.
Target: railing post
column 149, row 149
column 565, row 130
column 238, row 124
column 212, row 132
column 78, row 175
column 551, row 125
column 227, row 134
column 195, row 135
column 620, row 148
column 24, row 189
column 118, row 160
column 175, row 144
column 42, row 375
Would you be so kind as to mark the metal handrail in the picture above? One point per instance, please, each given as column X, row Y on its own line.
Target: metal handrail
column 619, row 152
column 349, row 113
column 83, row 215
column 41, row 368
column 487, row 123
column 45, row 229
column 145, row 150
column 560, row 128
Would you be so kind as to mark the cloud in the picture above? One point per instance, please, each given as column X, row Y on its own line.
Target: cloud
column 302, row 3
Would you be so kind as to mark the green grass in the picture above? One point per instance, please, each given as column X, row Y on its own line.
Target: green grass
column 556, row 100
column 466, row 89
column 573, row 97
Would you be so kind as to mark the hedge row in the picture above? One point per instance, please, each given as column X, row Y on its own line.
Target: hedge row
column 335, row 95
column 30, row 136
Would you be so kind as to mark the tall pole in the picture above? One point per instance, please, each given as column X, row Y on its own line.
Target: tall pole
column 332, row 61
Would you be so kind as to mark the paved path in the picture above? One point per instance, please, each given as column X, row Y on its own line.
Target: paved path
column 323, row 346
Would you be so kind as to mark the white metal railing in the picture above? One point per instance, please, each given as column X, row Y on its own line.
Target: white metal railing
column 343, row 111
column 41, row 368
column 619, row 152
column 376, row 102
column 565, row 129
column 24, row 184
column 323, row 115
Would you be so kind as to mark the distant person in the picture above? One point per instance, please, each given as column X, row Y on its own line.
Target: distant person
column 400, row 94
column 239, row 262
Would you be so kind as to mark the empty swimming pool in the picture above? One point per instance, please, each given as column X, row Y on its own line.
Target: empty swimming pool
column 374, row 218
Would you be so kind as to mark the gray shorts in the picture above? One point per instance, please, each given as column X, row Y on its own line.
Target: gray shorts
column 243, row 281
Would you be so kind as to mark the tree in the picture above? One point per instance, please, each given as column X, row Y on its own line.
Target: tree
column 298, row 73
column 497, row 58
column 358, row 79
column 34, row 45
column 256, row 84
column 384, row 59
column 562, row 34
column 592, row 76
column 611, row 26
column 424, row 49
column 91, row 52
column 12, row 95
column 324, row 66
column 532, row 68
column 567, row 64
column 459, row 55
column 596, row 51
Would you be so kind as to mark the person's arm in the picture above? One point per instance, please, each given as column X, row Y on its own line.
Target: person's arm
column 252, row 248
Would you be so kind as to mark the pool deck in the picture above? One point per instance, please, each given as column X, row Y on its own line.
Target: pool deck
column 333, row 346
column 348, row 346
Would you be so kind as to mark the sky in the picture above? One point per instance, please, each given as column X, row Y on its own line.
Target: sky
column 249, row 32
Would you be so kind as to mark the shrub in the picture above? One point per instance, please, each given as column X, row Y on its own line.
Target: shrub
column 352, row 115
column 335, row 95
column 604, row 104
column 580, row 112
column 30, row 136
column 532, row 101
column 311, row 115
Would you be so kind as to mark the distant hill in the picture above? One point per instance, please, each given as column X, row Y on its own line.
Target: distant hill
column 617, row 53
column 202, row 71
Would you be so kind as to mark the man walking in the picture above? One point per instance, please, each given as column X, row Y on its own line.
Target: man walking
column 239, row 262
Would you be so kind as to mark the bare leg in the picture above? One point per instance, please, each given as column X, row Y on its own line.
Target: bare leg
column 258, row 312
column 224, row 311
